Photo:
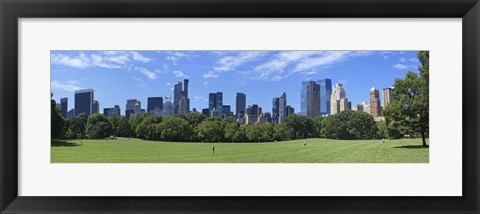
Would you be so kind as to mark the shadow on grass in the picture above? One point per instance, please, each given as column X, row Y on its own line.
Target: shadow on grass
column 58, row 143
column 411, row 147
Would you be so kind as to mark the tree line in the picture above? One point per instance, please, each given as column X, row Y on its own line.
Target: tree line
column 407, row 114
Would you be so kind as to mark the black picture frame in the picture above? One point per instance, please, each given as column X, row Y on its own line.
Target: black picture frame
column 12, row 10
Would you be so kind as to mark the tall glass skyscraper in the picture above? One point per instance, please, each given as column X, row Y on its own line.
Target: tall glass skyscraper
column 64, row 106
column 303, row 97
column 154, row 103
column 325, row 94
column 282, row 108
column 241, row 104
column 83, row 101
column 275, row 109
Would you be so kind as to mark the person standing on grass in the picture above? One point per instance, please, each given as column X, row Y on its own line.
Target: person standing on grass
column 304, row 143
column 383, row 140
column 373, row 141
column 213, row 149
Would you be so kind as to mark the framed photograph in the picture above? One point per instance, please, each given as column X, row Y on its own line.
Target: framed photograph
column 227, row 106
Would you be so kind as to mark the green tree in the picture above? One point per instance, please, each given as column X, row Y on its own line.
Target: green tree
column 253, row 133
column 56, row 121
column 176, row 129
column 410, row 99
column 141, row 129
column 210, row 131
column 317, row 124
column 195, row 118
column 230, row 131
column 350, row 125
column 77, row 126
column 124, row 129
column 281, row 132
column 93, row 132
column 302, row 126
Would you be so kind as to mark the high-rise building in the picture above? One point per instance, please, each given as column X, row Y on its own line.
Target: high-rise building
column 290, row 110
column 275, row 109
column 338, row 94
column 84, row 101
column 95, row 107
column 116, row 110
column 185, row 93
column 366, row 107
column 177, row 94
column 215, row 101
column 344, row 104
column 387, row 96
column 374, row 102
column 154, row 104
column 358, row 108
column 206, row 111
column 268, row 117
column 182, row 105
column 71, row 113
column 313, row 100
column 168, row 109
column 129, row 108
column 325, row 93
column 64, row 107
column 303, row 97
column 108, row 112
column 241, row 104
column 226, row 111
column 137, row 109
column 282, row 108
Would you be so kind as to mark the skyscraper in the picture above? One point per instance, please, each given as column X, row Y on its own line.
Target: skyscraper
column 275, row 109
column 374, row 102
column 129, row 108
column 338, row 94
column 303, row 97
column 206, row 111
column 116, row 110
column 313, row 100
column 95, row 107
column 137, row 109
column 64, row 107
column 212, row 102
column 290, row 110
column 325, row 93
column 282, row 108
column 185, row 93
column 154, row 104
column 168, row 107
column 83, row 101
column 219, row 101
column 241, row 104
column 226, row 111
column 182, row 105
column 387, row 96
column 177, row 94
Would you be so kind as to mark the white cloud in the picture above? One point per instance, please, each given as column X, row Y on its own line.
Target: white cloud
column 400, row 66
column 206, row 83
column 139, row 57
column 146, row 72
column 199, row 98
column 68, row 86
column 287, row 63
column 228, row 63
column 180, row 74
column 210, row 74
column 140, row 83
column 169, row 83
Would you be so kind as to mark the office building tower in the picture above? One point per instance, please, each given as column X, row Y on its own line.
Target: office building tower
column 215, row 101
column 154, row 104
column 95, row 107
column 366, row 107
column 71, row 113
column 177, row 94
column 303, row 97
column 129, row 108
column 275, row 109
column 358, row 108
column 182, row 105
column 219, row 101
column 325, row 94
column 108, row 112
column 387, row 96
column 290, row 110
column 83, row 101
column 226, row 111
column 137, row 108
column 268, row 117
column 64, row 107
column 374, row 102
column 116, row 110
column 185, row 93
column 313, row 100
column 282, row 108
column 344, row 104
column 241, row 104
column 206, row 111
column 194, row 109
column 168, row 108
column 338, row 94
column 214, row 113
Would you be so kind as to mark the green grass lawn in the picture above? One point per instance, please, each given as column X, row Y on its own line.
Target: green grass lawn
column 316, row 151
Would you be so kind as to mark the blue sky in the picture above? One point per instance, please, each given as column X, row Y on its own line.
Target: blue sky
column 117, row 76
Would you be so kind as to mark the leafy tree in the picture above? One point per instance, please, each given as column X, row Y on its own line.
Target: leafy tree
column 266, row 131
column 410, row 99
column 281, row 132
column 230, row 131
column 253, row 133
column 100, row 130
column 210, row 131
column 302, row 126
column 141, row 130
column 56, row 121
column 176, row 129
column 124, row 128
column 76, row 127
column 195, row 118
column 350, row 125
column 92, row 130
column 317, row 124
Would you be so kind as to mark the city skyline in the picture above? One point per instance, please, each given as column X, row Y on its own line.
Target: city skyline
column 260, row 75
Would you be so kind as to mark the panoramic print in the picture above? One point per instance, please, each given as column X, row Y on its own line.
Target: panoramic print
column 233, row 106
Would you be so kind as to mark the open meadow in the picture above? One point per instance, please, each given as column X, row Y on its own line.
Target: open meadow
column 317, row 150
